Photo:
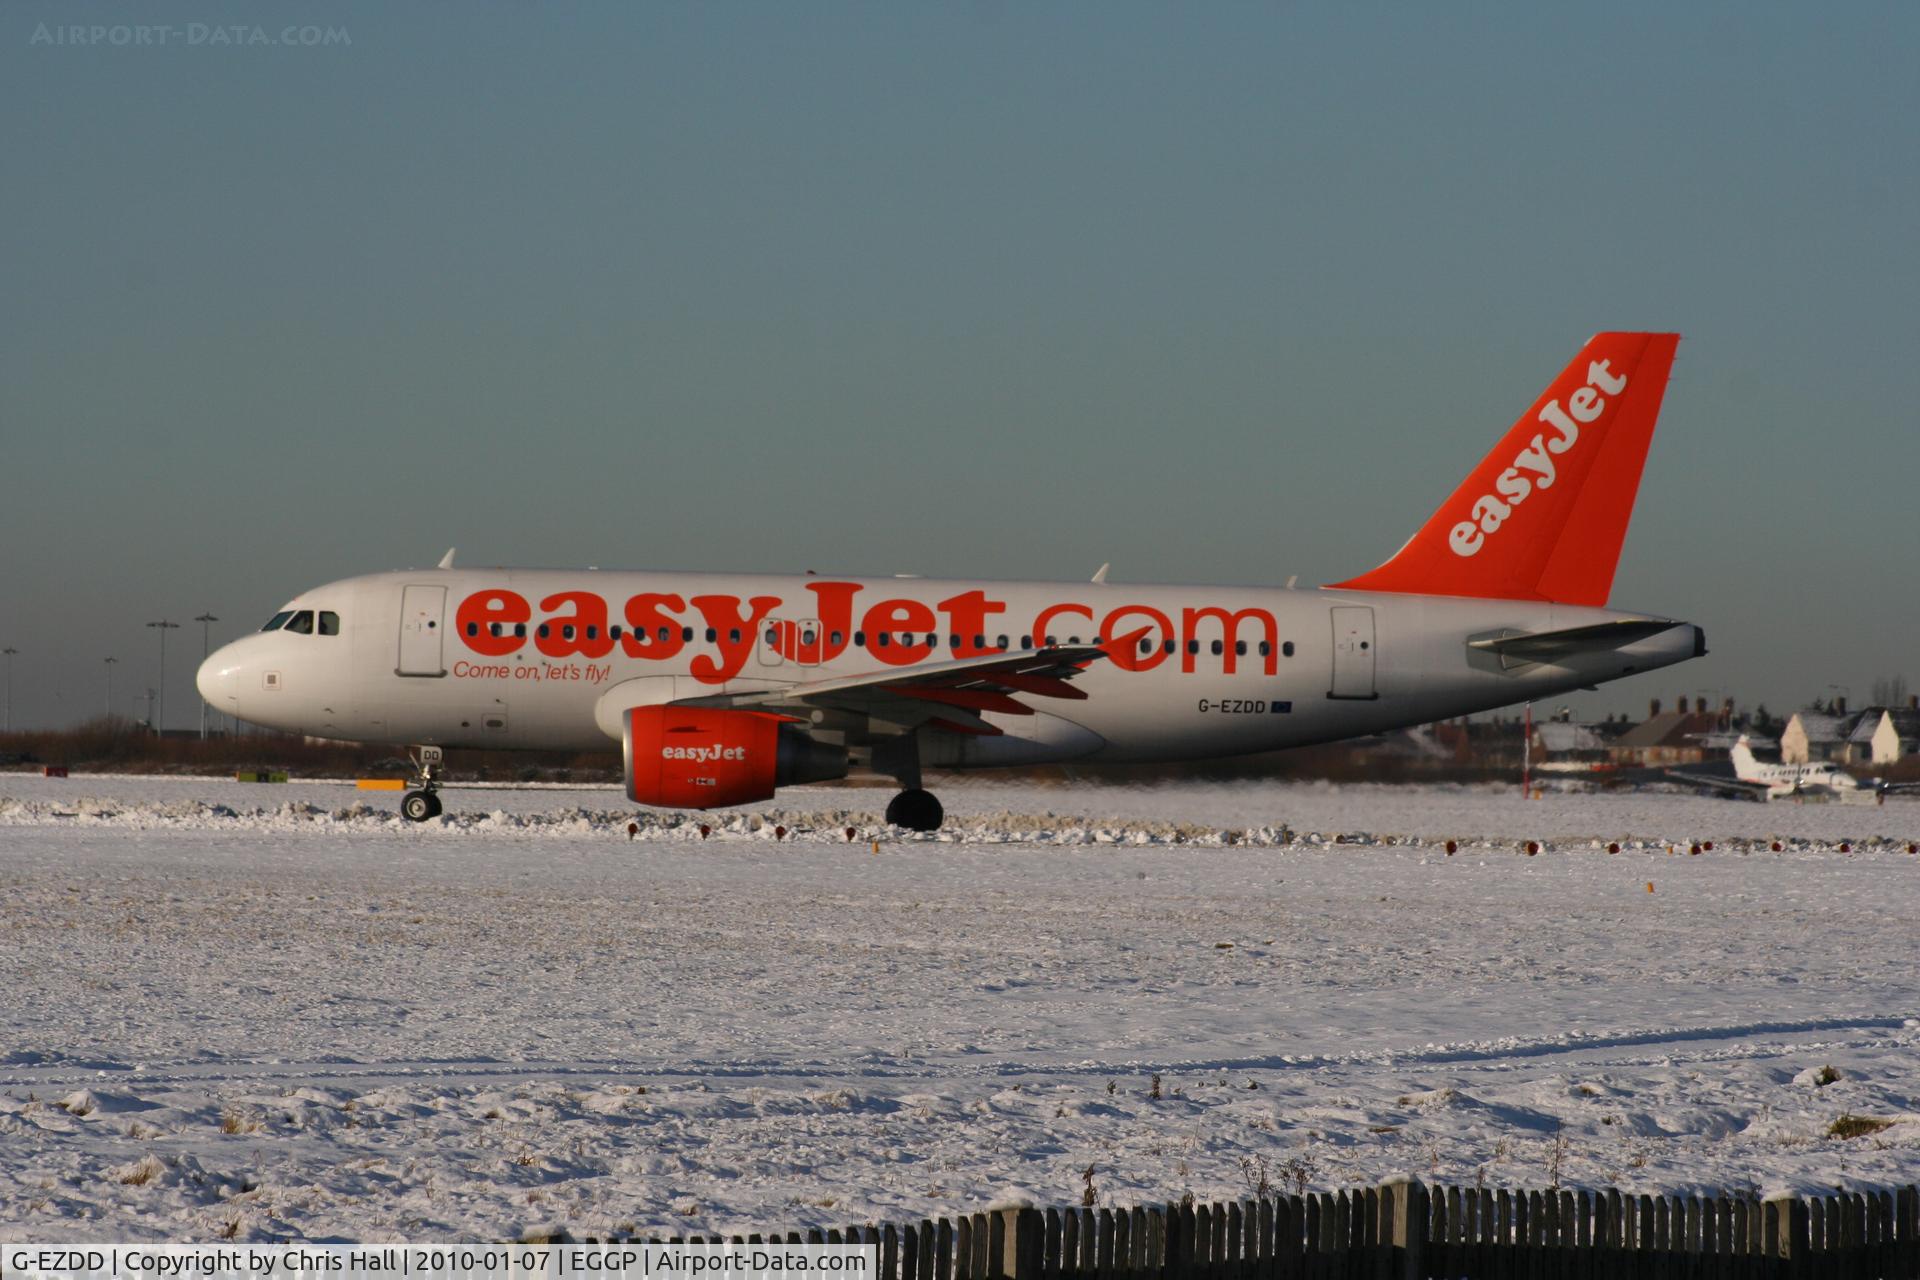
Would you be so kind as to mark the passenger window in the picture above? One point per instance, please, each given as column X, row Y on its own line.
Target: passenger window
column 1266, row 648
column 302, row 623
column 1169, row 645
column 1193, row 646
column 1217, row 647
column 278, row 620
column 859, row 639
column 593, row 633
column 933, row 640
column 1026, row 642
column 1002, row 643
column 886, row 640
column 1051, row 642
column 835, row 640
column 613, row 632
column 712, row 635
column 1287, row 648
column 330, row 623
column 496, row 630
column 1240, row 647
column 733, row 635
column 473, row 628
column 773, row 635
column 953, row 641
column 1146, row 645
column 566, row 631
column 520, row 630
column 686, row 635
column 666, row 633
column 543, row 631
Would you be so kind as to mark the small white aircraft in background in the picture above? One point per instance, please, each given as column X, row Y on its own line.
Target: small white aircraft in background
column 1763, row 781
column 722, row 688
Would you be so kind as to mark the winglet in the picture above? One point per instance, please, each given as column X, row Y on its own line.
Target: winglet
column 1543, row 516
column 446, row 561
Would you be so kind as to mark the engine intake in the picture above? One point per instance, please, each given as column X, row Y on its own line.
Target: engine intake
column 706, row 758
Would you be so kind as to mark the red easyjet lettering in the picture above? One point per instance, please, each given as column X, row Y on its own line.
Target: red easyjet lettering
column 495, row 623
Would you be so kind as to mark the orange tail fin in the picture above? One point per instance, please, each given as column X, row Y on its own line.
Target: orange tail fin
column 1543, row 516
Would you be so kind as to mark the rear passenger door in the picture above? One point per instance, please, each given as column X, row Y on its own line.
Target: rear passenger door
column 1353, row 655
column 422, row 618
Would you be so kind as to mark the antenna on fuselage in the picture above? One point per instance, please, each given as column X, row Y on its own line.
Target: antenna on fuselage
column 446, row 561
column 1100, row 574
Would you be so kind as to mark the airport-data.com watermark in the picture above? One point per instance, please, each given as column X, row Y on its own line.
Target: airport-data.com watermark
column 187, row 35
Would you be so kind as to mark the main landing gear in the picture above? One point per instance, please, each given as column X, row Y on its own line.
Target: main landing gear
column 915, row 810
column 423, row 801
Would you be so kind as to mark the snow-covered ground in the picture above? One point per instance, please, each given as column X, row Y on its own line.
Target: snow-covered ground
column 278, row 1010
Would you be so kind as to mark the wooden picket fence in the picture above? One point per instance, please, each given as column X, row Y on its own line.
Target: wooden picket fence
column 1407, row 1231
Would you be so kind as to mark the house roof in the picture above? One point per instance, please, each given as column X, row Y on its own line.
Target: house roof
column 1821, row 727
column 1669, row 729
column 1560, row 735
column 1906, row 723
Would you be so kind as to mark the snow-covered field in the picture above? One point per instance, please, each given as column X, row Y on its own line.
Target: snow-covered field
column 281, row 1012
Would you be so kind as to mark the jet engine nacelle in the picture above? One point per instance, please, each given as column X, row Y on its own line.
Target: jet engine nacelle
column 705, row 758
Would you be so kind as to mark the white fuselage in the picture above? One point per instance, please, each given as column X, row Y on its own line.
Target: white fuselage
column 434, row 657
column 1782, row 780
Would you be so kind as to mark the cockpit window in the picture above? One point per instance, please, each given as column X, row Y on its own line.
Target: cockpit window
column 278, row 620
column 329, row 623
column 302, row 623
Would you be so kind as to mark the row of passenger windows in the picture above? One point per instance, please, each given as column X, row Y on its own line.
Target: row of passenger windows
column 882, row 640
column 303, row 622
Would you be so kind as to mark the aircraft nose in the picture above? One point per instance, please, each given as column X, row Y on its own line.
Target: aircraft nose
column 219, row 679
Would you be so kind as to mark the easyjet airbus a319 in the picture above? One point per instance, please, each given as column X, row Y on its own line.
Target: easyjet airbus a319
column 722, row 688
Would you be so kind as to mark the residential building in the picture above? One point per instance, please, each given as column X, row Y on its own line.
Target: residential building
column 1883, row 735
column 1665, row 738
column 1814, row 734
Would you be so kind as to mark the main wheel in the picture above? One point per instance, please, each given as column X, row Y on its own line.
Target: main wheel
column 418, row 806
column 916, row 810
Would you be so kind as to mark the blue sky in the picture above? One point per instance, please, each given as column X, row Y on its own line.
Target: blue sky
column 1220, row 294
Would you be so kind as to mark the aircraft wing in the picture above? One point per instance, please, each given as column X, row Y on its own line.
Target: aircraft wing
column 1551, row 646
column 946, row 695
column 1721, row 783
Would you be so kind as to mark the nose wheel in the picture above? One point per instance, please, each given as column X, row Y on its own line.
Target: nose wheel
column 423, row 802
column 418, row 806
column 916, row 810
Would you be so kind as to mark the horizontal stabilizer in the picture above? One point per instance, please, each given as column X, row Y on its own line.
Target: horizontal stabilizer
column 1552, row 646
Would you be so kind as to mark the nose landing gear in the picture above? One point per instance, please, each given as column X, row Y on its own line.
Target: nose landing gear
column 423, row 801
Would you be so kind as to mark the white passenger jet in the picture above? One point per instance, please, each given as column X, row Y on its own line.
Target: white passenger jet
column 723, row 688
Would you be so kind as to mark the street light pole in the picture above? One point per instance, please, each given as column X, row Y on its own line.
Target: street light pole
column 9, row 651
column 160, row 706
column 110, row 662
column 206, row 650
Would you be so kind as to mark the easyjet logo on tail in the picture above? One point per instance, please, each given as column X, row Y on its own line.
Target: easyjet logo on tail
column 1533, row 467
